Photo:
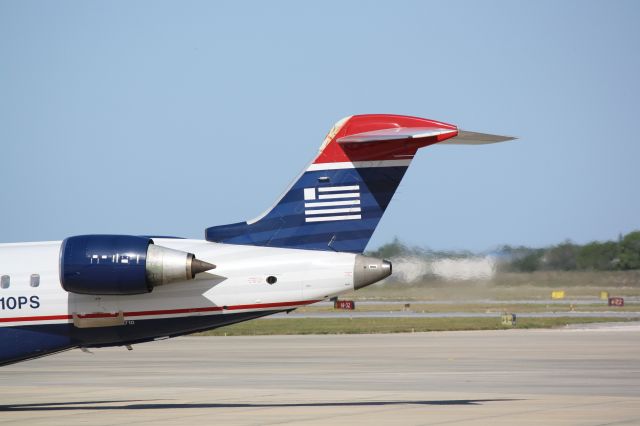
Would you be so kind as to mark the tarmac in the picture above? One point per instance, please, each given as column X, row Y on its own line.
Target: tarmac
column 581, row 375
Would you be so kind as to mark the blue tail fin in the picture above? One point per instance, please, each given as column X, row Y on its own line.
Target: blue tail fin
column 339, row 199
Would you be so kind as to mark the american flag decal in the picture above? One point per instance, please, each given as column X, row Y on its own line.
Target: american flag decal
column 331, row 203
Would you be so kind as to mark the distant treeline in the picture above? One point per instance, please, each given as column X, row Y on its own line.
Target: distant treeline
column 623, row 254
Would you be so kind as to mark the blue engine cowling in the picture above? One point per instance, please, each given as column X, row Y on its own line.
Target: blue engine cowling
column 122, row 265
column 105, row 264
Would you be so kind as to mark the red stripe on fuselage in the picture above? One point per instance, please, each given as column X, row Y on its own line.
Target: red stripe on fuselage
column 163, row 311
column 40, row 318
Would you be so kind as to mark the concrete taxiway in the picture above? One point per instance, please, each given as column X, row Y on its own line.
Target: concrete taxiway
column 583, row 375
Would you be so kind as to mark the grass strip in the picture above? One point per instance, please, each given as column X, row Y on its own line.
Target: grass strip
column 285, row 326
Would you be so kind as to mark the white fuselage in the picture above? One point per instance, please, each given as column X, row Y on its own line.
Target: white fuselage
column 238, row 284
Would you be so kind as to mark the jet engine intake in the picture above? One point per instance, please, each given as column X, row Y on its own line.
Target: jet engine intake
column 123, row 265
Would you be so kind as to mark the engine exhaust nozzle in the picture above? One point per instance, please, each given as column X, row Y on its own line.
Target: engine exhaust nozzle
column 369, row 270
column 166, row 266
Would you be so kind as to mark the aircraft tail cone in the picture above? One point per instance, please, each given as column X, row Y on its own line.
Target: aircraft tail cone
column 198, row 266
column 369, row 270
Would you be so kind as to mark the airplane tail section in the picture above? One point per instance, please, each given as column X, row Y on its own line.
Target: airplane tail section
column 338, row 200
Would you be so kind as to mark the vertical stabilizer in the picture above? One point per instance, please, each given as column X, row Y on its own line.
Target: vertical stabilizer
column 339, row 199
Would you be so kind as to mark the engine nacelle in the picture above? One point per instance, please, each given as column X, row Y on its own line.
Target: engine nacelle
column 122, row 264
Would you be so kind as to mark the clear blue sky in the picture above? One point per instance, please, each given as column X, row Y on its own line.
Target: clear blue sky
column 167, row 117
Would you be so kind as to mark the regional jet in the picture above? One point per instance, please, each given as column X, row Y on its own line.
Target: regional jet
column 91, row 291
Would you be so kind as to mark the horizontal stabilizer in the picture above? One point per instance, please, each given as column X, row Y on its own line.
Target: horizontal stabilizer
column 396, row 133
column 475, row 138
